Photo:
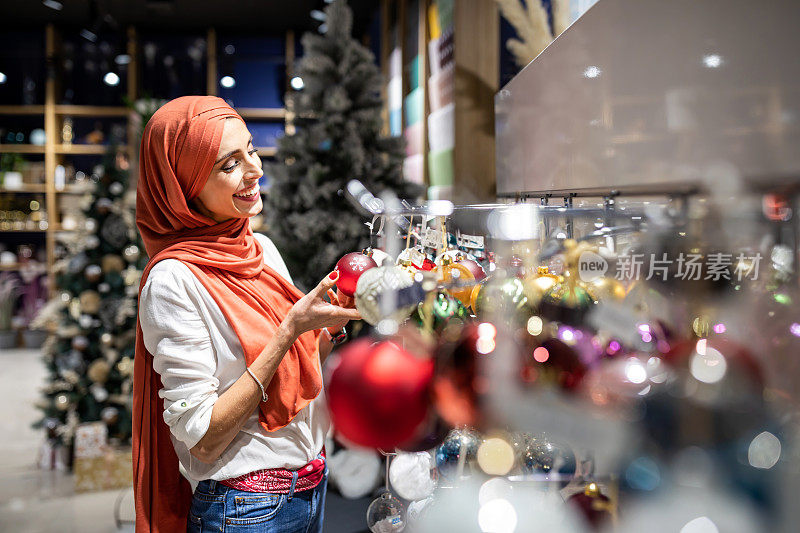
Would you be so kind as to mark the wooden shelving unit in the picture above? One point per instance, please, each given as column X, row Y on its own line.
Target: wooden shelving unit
column 476, row 52
column 53, row 114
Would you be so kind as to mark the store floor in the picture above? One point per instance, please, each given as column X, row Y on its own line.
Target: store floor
column 39, row 501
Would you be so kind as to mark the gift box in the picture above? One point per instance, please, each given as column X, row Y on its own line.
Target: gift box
column 91, row 439
column 112, row 469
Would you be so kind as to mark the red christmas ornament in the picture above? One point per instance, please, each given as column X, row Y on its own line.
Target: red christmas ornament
column 378, row 393
column 350, row 268
column 427, row 264
column 475, row 268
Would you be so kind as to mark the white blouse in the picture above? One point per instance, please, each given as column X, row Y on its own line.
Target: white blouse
column 198, row 356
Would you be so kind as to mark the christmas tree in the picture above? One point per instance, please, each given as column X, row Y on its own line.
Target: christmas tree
column 337, row 137
column 90, row 355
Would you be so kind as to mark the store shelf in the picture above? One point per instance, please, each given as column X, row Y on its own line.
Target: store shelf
column 92, row 111
column 21, row 110
column 23, row 231
column 81, row 149
column 25, row 188
column 74, row 189
column 11, row 267
column 21, row 149
column 261, row 112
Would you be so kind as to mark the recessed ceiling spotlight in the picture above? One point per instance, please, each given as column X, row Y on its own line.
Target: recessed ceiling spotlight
column 712, row 60
column 592, row 72
column 230, row 49
column 297, row 83
column 316, row 14
column 122, row 59
column 53, row 4
column 228, row 82
column 323, row 28
column 111, row 79
column 3, row 77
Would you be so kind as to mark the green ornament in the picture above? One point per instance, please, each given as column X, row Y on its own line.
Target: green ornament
column 502, row 297
column 574, row 297
column 444, row 310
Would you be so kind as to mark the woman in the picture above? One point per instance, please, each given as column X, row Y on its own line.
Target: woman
column 227, row 378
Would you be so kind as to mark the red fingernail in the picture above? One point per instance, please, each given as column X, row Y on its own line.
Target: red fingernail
column 334, row 274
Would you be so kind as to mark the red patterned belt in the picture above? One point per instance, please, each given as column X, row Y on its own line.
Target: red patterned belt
column 280, row 480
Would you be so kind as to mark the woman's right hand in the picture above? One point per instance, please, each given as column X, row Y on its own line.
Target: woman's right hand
column 313, row 312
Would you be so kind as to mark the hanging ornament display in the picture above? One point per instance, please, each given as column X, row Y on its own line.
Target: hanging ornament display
column 442, row 311
column 604, row 288
column 77, row 263
column 350, row 268
column 131, row 253
column 476, row 269
column 115, row 231
column 457, row 274
column 109, row 415
column 98, row 371
column 502, row 299
column 103, row 206
column 80, row 343
column 553, row 460
column 108, row 312
column 378, row 393
column 413, row 475
column 386, row 514
column 93, row 273
column 595, row 506
column 456, row 456
column 89, row 301
column 98, row 392
column 375, row 284
column 379, row 256
column 551, row 362
column 457, row 383
column 112, row 263
column 535, row 286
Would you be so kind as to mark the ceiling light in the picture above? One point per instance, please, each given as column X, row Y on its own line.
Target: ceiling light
column 89, row 35
column 111, row 79
column 228, row 82
column 297, row 83
column 230, row 49
column 3, row 77
column 323, row 28
column 122, row 59
column 592, row 72
column 316, row 14
column 53, row 4
column 712, row 60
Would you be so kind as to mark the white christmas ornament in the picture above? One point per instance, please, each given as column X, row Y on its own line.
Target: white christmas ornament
column 355, row 472
column 379, row 256
column 376, row 283
column 412, row 475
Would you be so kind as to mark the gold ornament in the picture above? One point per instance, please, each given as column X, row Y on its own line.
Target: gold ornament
column 89, row 302
column 112, row 263
column 98, row 371
column 464, row 275
column 74, row 310
column 536, row 286
column 605, row 289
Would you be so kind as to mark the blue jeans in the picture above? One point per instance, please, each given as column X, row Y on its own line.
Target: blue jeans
column 216, row 508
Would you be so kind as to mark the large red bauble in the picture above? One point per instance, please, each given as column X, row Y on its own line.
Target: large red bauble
column 350, row 268
column 477, row 270
column 378, row 394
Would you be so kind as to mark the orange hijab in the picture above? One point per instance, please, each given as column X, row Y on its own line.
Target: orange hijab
column 179, row 147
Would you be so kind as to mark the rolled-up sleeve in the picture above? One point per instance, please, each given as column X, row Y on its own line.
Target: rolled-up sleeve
column 183, row 355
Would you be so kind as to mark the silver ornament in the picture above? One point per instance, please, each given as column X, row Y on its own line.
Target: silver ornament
column 373, row 286
column 386, row 514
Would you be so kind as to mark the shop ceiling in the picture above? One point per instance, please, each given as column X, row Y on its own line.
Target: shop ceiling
column 266, row 16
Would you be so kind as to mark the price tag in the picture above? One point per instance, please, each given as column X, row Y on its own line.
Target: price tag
column 471, row 241
column 432, row 238
column 417, row 258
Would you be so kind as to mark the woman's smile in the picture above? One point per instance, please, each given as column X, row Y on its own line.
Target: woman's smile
column 248, row 195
